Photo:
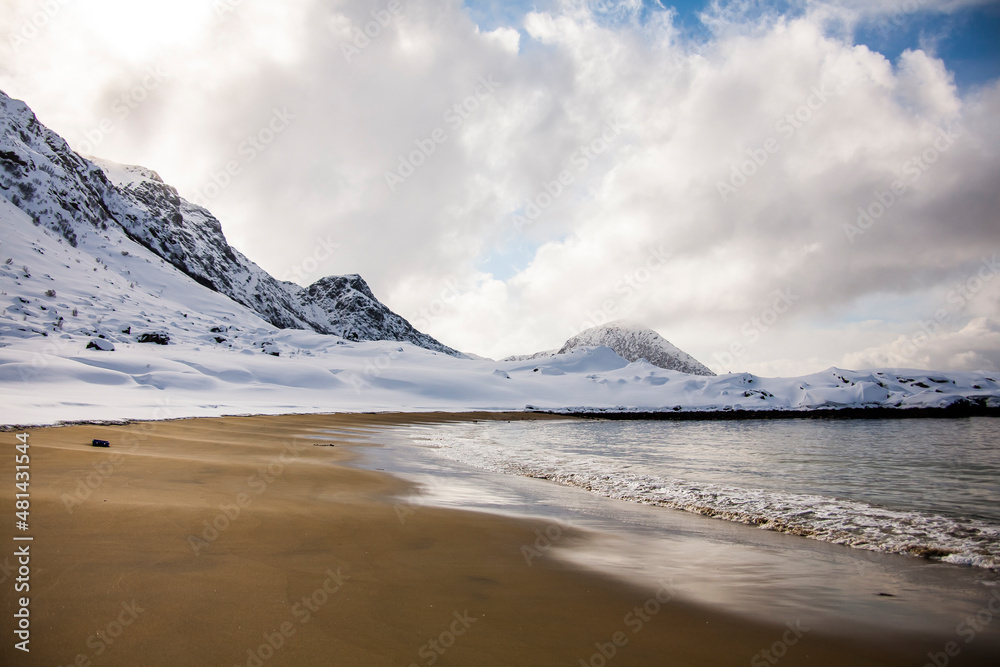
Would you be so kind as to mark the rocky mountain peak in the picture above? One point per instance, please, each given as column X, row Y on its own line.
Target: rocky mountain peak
column 74, row 196
column 633, row 341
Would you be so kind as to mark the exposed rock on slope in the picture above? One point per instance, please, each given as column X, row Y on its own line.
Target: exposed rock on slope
column 634, row 342
column 68, row 194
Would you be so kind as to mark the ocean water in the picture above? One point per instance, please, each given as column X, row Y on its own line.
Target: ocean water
column 923, row 487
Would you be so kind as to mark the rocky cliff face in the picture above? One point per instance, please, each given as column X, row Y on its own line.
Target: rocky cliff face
column 68, row 194
column 345, row 305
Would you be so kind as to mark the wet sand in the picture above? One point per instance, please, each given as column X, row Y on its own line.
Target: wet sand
column 236, row 541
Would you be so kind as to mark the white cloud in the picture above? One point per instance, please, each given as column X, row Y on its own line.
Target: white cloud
column 974, row 347
column 837, row 124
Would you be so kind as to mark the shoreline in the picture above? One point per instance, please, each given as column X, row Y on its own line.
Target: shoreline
column 429, row 415
column 954, row 411
column 958, row 410
column 322, row 558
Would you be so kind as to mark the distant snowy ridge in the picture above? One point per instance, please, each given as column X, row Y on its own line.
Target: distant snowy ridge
column 531, row 357
column 43, row 381
column 73, row 196
column 632, row 342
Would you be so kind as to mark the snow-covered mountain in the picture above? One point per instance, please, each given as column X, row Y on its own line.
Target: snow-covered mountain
column 119, row 300
column 632, row 342
column 76, row 198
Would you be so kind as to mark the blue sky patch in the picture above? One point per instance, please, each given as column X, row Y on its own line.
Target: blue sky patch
column 967, row 40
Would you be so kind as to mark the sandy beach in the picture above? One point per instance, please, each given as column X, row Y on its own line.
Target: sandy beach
column 248, row 541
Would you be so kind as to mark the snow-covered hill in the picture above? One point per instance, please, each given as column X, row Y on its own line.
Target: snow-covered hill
column 635, row 342
column 75, row 197
column 106, row 287
column 120, row 300
column 44, row 381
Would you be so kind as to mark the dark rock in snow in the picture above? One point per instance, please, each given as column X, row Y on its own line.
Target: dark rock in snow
column 157, row 338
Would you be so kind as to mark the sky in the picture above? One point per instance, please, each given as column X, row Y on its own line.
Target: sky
column 774, row 187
